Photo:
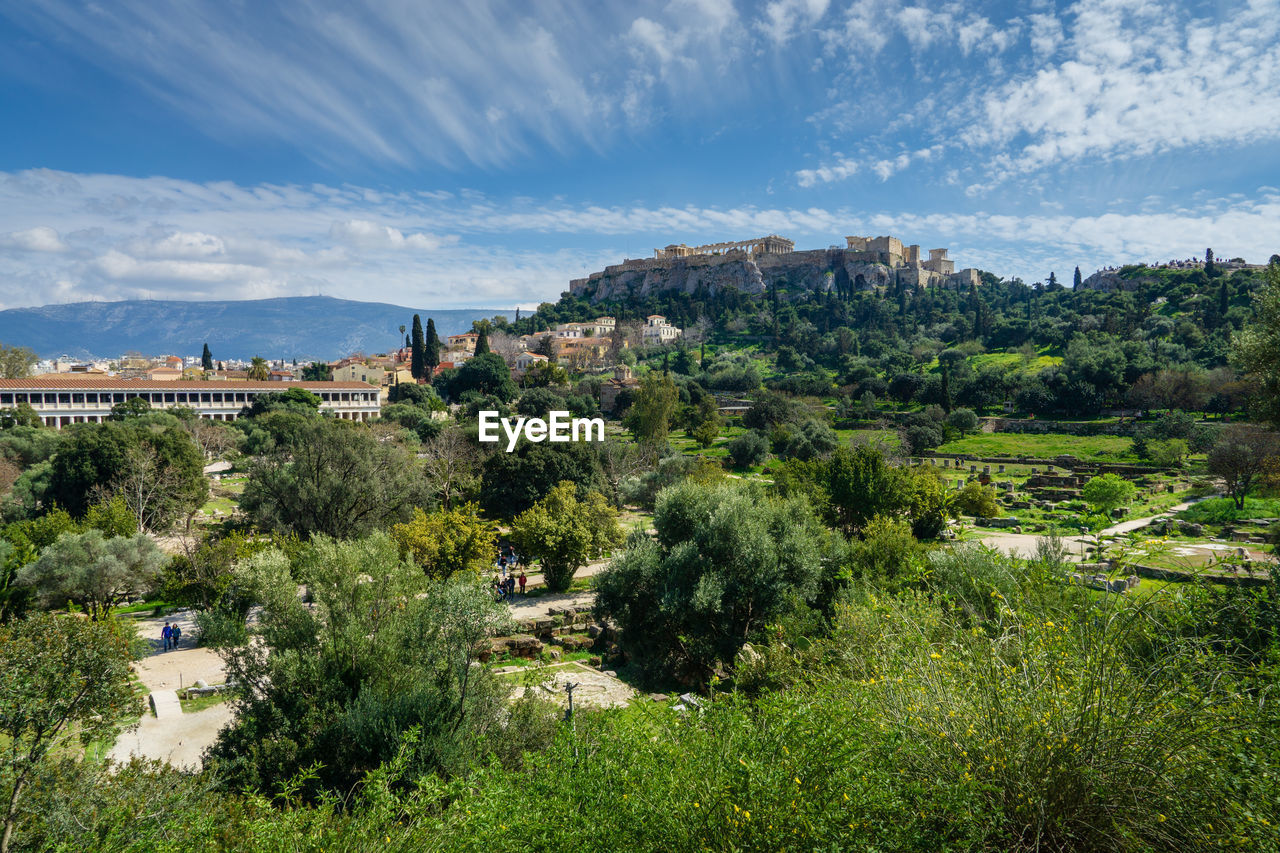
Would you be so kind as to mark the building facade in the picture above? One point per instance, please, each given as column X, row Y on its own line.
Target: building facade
column 61, row 402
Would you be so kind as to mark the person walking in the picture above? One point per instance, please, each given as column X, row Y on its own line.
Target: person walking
column 166, row 635
column 175, row 634
column 522, row 580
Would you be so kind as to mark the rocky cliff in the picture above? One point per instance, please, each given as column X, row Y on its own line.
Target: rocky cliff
column 819, row 270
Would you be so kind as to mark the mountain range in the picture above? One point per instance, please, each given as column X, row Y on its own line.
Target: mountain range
column 298, row 327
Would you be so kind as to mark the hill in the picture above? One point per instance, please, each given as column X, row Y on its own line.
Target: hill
column 301, row 327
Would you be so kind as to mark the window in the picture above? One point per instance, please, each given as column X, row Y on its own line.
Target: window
column 119, row 398
column 64, row 398
column 206, row 397
column 6, row 399
column 77, row 398
column 170, row 397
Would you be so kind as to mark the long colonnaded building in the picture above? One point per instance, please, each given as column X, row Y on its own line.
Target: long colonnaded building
column 60, row 402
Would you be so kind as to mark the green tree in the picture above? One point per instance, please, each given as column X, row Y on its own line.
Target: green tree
column 1256, row 348
column 482, row 343
column 316, row 371
column 727, row 560
column 448, row 541
column 431, row 353
column 417, row 352
column 337, row 683
column 93, row 572
column 1108, row 492
column 749, row 449
column 258, row 370
column 649, row 417
column 62, row 680
column 21, row 415
column 485, row 374
column 565, row 532
column 298, row 400
column 16, row 362
column 1077, row 281
column 977, row 500
column 134, row 407
column 1240, row 458
column 206, row 359
column 332, row 477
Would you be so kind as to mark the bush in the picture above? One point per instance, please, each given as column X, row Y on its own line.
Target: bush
column 977, row 500
column 887, row 554
column 749, row 449
column 965, row 420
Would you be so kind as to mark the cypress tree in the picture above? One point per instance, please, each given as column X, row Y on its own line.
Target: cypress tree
column 417, row 363
column 1224, row 300
column 482, row 342
column 206, row 359
column 432, row 355
column 1078, row 280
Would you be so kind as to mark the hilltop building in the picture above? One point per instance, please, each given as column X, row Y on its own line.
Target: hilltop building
column 750, row 266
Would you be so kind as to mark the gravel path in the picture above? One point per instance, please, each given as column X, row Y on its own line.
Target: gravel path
column 179, row 739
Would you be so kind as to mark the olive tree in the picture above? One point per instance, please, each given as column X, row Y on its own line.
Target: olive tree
column 92, row 571
column 564, row 532
column 61, row 679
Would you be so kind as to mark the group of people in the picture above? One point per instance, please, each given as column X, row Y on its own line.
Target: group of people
column 504, row 583
column 171, row 634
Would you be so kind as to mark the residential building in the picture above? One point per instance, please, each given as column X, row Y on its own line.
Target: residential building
column 359, row 372
column 657, row 330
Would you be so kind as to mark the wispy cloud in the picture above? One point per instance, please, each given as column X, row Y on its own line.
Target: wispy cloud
column 166, row 238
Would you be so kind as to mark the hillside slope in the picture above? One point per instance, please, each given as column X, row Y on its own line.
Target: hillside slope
column 302, row 327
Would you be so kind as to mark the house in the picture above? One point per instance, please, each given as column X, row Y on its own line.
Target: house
column 164, row 374
column 657, row 330
column 610, row 389
column 525, row 360
column 465, row 341
column 359, row 372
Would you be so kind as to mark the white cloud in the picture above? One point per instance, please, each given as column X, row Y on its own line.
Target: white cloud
column 782, row 18
column 143, row 237
column 1135, row 79
column 38, row 239
column 370, row 235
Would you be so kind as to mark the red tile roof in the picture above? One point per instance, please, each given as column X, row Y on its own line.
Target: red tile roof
column 112, row 383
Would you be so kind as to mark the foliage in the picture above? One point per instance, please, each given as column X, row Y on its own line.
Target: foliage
column 384, row 650
column 447, row 541
column 16, row 362
column 965, row 420
column 297, row 400
column 62, row 679
column 565, row 531
column 811, row 439
column 652, row 406
column 726, row 560
column 1240, row 457
column 750, row 448
column 1256, row 348
column 1107, row 492
column 643, row 490
column 486, row 374
column 513, row 482
column 93, row 572
column 887, row 554
column 977, row 500
column 332, row 477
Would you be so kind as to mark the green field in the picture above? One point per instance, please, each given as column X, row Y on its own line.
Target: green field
column 1112, row 448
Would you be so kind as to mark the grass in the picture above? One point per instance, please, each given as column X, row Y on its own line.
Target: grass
column 1110, row 447
column 140, row 607
column 192, row 706
column 1223, row 510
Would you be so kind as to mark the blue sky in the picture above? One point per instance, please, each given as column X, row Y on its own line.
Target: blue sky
column 481, row 154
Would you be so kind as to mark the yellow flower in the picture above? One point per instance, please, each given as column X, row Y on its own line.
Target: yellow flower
column 935, row 656
column 1161, row 818
column 797, row 780
column 695, row 805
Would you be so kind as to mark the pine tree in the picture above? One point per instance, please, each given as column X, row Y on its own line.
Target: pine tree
column 1210, row 269
column 1224, row 300
column 482, row 343
column 417, row 363
column 517, row 313
column 1053, row 280
column 1078, row 280
column 206, row 359
column 432, row 356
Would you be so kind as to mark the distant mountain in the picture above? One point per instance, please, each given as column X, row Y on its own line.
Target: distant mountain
column 301, row 327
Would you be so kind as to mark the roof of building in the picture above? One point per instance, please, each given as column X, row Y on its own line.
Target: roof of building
column 111, row 383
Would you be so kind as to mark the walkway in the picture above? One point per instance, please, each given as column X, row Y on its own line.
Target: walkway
column 171, row 735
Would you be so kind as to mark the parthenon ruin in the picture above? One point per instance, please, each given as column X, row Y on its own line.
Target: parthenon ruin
column 771, row 245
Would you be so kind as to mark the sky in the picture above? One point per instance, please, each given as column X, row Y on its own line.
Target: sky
column 481, row 154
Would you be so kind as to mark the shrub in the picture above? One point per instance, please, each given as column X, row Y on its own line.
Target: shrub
column 977, row 500
column 750, row 448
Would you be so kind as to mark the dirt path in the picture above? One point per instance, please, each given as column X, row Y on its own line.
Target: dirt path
column 179, row 739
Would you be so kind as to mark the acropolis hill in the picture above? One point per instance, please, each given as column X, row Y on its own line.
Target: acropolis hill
column 865, row 263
